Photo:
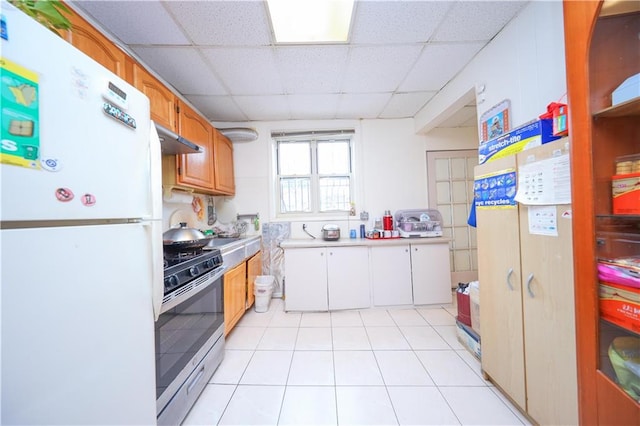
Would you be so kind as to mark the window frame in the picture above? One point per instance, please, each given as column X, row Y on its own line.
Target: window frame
column 313, row 138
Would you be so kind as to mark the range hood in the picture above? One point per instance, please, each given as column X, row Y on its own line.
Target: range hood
column 172, row 143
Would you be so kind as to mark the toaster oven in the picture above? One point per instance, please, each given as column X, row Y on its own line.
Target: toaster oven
column 418, row 223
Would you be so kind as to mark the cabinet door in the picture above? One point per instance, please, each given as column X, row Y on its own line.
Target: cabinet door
column 234, row 296
column 348, row 277
column 254, row 268
column 305, row 285
column 430, row 273
column 549, row 315
column 391, row 275
column 90, row 41
column 501, row 327
column 162, row 101
column 195, row 170
column 223, row 164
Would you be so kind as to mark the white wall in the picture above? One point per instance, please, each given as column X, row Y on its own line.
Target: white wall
column 524, row 63
column 389, row 165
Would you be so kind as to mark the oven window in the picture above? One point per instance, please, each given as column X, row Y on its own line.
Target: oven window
column 182, row 331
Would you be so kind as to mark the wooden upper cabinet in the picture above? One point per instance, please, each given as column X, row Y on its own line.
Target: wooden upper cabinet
column 163, row 102
column 95, row 45
column 195, row 170
column 223, row 164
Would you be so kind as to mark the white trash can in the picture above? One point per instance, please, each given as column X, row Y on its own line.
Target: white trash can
column 263, row 289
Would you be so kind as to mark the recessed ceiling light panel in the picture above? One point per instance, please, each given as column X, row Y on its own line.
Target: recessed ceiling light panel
column 310, row 21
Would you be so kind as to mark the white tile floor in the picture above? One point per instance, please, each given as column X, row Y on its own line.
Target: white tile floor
column 369, row 367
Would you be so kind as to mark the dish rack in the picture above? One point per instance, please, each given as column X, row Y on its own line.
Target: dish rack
column 420, row 223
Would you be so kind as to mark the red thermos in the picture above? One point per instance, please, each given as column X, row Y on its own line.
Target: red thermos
column 387, row 221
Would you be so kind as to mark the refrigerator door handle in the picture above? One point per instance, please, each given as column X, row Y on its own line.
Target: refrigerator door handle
column 154, row 234
column 155, row 170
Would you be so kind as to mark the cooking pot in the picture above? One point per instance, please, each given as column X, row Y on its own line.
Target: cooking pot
column 330, row 232
column 184, row 238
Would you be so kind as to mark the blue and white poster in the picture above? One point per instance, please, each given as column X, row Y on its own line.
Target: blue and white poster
column 496, row 190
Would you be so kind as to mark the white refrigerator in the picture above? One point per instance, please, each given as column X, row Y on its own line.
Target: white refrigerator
column 80, row 236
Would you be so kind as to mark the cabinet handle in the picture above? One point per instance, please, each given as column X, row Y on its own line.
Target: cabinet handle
column 321, row 254
column 330, row 253
column 529, row 279
column 509, row 279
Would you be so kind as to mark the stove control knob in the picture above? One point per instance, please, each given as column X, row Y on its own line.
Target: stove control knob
column 171, row 281
column 209, row 263
column 194, row 271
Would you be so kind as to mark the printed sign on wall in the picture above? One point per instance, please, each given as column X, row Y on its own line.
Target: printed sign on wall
column 20, row 116
column 495, row 190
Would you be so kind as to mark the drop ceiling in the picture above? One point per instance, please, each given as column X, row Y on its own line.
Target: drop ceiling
column 221, row 57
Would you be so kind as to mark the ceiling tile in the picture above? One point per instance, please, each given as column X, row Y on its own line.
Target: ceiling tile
column 438, row 64
column 136, row 22
column 379, row 68
column 311, row 107
column 477, row 20
column 217, row 108
column 223, row 23
column 185, row 70
column 312, row 69
column 246, row 71
column 264, row 108
column 406, row 105
column 364, row 105
column 396, row 22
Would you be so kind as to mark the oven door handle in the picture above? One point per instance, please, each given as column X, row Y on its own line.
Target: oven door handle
column 180, row 295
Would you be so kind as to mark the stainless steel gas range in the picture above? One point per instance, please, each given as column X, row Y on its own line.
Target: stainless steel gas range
column 190, row 331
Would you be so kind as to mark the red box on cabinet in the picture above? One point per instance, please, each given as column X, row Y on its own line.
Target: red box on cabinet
column 620, row 305
column 626, row 193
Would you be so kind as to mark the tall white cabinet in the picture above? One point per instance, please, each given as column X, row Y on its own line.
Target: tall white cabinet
column 527, row 293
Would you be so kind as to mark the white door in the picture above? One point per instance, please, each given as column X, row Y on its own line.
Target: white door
column 77, row 326
column 450, row 178
column 391, row 275
column 348, row 277
column 430, row 273
column 305, row 281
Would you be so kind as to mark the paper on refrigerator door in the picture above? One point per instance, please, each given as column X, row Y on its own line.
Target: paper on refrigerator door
column 545, row 182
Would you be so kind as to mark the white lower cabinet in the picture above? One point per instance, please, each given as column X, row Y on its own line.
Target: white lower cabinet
column 319, row 279
column 391, row 275
column 305, row 279
column 348, row 277
column 430, row 273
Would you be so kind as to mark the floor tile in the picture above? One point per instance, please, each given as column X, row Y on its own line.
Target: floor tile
column 387, row 338
column 283, row 319
column 356, row 368
column 437, row 316
column 449, row 334
column 244, row 337
column 478, row 406
column 511, row 407
column 232, row 367
column 254, row 405
column 364, row 405
column 210, row 405
column 311, row 368
column 376, row 318
column 448, row 369
column 267, row 368
column 318, row 339
column 421, row 406
column 350, row 338
column 309, row 405
column 407, row 317
column 278, row 338
column 402, row 368
column 474, row 363
column 315, row 319
column 424, row 338
column 346, row 319
column 255, row 319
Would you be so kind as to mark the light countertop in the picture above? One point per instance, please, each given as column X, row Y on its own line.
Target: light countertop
column 349, row 242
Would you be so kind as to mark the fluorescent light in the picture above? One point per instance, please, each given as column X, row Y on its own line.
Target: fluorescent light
column 310, row 21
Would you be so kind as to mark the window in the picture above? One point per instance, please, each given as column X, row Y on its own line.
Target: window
column 314, row 173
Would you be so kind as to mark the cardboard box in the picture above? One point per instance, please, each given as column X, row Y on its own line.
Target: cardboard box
column 469, row 339
column 474, row 298
column 625, row 190
column 620, row 305
column 529, row 135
